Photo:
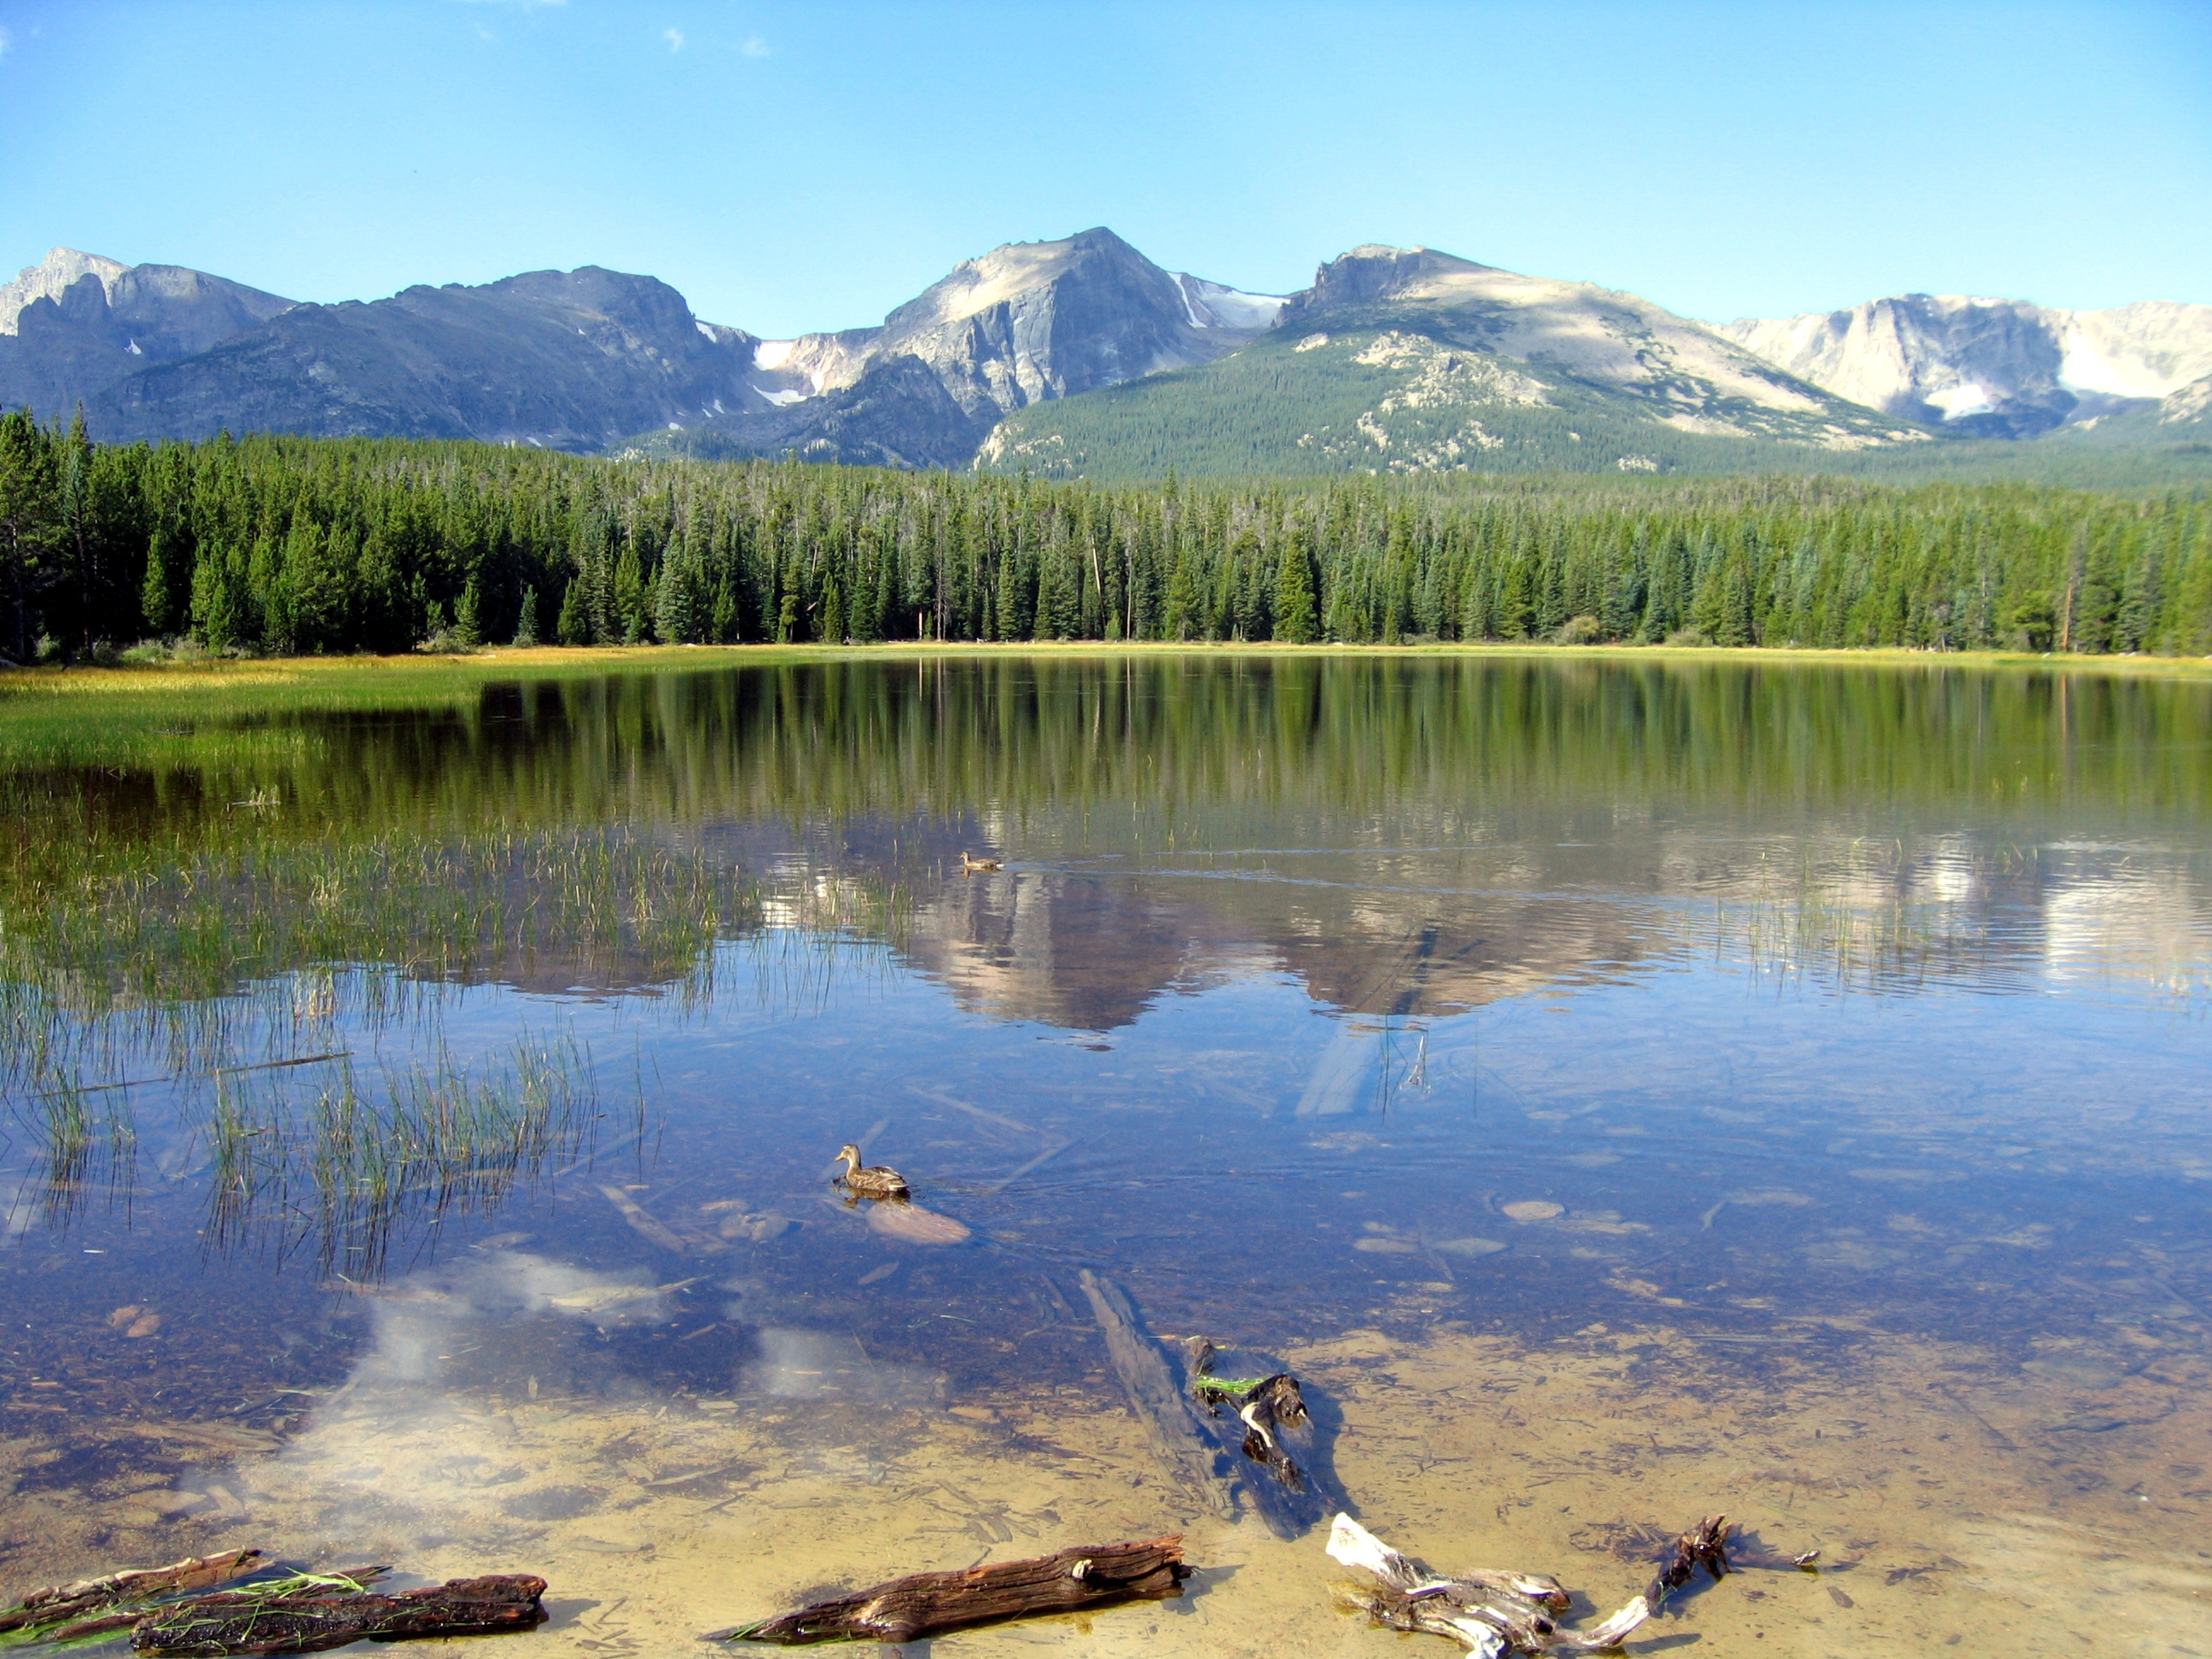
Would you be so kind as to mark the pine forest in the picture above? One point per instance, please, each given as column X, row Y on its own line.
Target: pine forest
column 286, row 545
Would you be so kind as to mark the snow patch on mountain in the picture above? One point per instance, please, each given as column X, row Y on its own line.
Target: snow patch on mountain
column 1214, row 305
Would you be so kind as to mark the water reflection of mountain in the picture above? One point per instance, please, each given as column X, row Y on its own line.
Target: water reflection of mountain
column 1090, row 951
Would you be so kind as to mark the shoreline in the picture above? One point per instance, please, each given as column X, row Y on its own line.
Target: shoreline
column 367, row 672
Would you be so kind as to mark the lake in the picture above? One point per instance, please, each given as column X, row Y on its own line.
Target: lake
column 1621, row 1089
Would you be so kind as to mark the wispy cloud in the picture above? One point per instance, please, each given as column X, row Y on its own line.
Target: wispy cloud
column 5, row 42
column 753, row 46
column 675, row 38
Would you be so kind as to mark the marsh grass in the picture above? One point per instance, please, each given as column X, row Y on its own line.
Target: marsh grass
column 1869, row 921
column 99, row 929
column 370, row 1160
column 237, row 980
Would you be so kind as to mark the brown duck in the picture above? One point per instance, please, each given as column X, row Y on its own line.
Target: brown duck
column 968, row 862
column 879, row 1182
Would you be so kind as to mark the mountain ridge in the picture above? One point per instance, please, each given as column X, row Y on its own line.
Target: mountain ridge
column 1052, row 354
column 1991, row 365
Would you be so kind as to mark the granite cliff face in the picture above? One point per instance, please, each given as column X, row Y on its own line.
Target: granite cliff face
column 75, row 324
column 1032, row 321
column 1620, row 344
column 1027, row 323
column 2001, row 368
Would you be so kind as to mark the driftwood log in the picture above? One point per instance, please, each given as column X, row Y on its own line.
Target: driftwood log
column 310, row 1613
column 928, row 1603
column 116, row 1601
column 1497, row 1613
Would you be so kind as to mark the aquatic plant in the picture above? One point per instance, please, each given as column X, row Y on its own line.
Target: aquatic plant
column 344, row 1173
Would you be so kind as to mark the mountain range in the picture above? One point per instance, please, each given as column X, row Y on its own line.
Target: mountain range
column 1082, row 357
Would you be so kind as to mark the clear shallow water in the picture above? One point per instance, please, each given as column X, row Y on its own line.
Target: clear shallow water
column 1624, row 1092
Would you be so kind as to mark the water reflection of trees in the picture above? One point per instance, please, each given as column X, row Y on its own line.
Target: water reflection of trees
column 1406, row 836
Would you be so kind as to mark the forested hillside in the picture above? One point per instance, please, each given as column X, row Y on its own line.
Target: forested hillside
column 298, row 545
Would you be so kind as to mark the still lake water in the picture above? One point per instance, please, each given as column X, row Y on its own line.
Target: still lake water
column 1621, row 1090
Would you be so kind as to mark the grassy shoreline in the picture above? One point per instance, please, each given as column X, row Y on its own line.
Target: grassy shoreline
column 416, row 669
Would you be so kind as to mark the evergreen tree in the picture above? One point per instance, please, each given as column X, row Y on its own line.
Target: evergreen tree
column 468, row 617
column 30, row 516
column 575, row 623
column 218, row 607
column 156, row 608
column 675, row 620
column 630, row 606
column 526, row 624
column 1296, row 623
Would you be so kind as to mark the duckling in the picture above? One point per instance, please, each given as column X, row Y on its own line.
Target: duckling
column 877, row 1183
column 970, row 862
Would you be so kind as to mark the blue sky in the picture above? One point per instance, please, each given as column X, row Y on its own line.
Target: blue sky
column 809, row 165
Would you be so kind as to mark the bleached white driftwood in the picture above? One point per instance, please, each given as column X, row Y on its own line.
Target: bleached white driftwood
column 1497, row 1613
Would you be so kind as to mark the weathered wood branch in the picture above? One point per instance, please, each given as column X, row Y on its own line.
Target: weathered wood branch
column 1268, row 1405
column 314, row 1613
column 928, row 1603
column 1704, row 1544
column 1497, row 1613
column 68, row 1604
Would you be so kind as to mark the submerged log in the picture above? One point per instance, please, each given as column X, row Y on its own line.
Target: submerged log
column 1169, row 1416
column 312, row 1612
column 1497, row 1613
column 71, row 1609
column 929, row 1603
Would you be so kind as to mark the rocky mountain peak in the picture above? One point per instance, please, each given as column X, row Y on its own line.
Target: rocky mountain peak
column 50, row 278
column 1030, row 321
column 1373, row 274
column 1995, row 368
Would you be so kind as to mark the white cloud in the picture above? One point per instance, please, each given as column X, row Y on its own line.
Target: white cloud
column 4, row 43
column 753, row 46
column 675, row 38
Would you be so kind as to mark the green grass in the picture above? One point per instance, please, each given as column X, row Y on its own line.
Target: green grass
column 231, row 713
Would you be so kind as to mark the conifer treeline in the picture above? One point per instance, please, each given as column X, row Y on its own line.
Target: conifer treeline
column 302, row 545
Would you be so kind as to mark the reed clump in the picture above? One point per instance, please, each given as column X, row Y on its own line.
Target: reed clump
column 349, row 1172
